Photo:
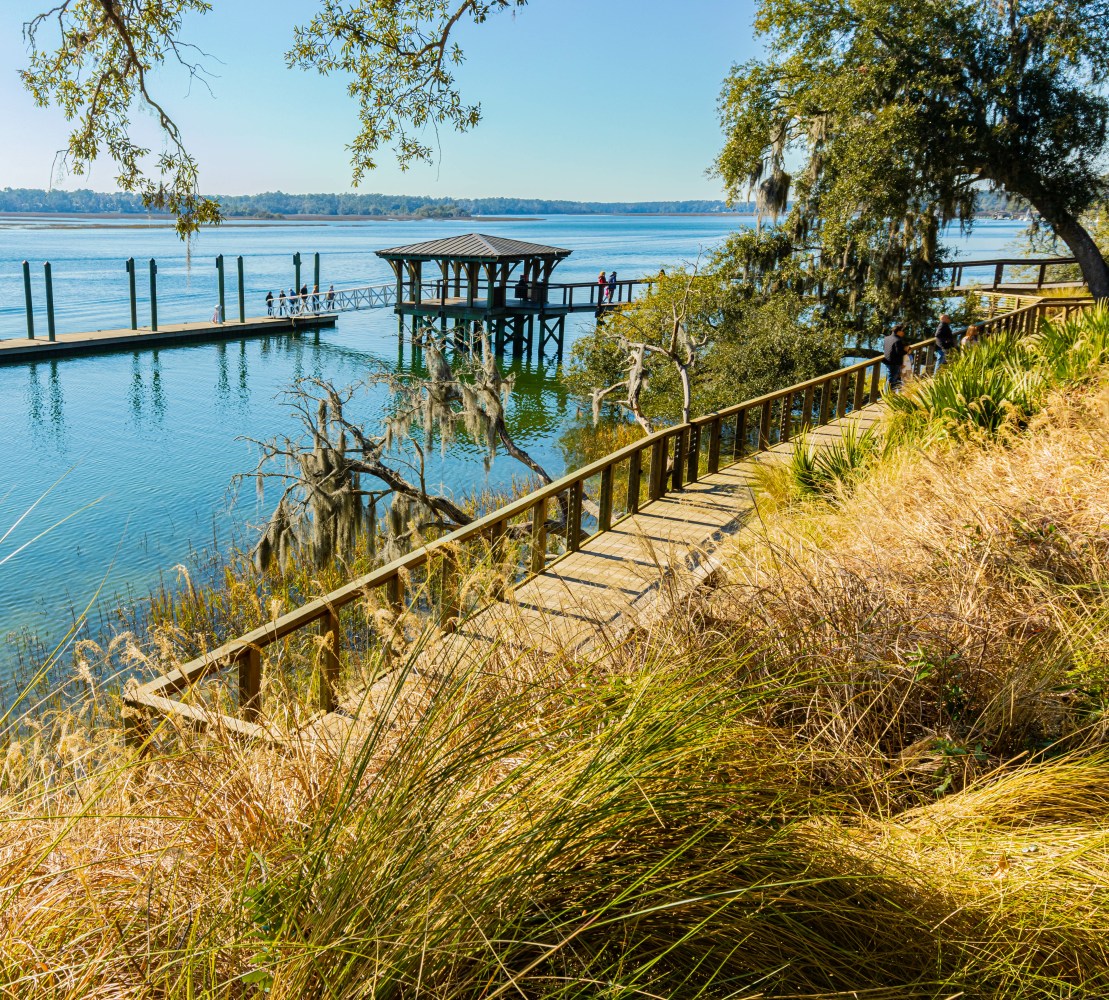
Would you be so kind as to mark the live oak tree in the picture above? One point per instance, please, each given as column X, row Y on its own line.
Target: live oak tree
column 97, row 59
column 882, row 121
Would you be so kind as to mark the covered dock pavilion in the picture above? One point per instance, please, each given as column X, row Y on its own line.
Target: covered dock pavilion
column 500, row 283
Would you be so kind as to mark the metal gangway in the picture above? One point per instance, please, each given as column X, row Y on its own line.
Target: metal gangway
column 336, row 300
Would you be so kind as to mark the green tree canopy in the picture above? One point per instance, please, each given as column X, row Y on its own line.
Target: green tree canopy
column 883, row 121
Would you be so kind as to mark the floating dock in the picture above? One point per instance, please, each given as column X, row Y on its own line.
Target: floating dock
column 22, row 349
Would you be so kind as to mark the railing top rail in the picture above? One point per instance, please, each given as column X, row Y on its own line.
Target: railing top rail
column 993, row 261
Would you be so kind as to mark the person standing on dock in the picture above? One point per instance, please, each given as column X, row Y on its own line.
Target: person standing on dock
column 945, row 340
column 602, row 284
column 610, row 291
column 331, row 298
column 269, row 303
column 303, row 306
column 281, row 303
column 217, row 315
column 315, row 298
column 893, row 354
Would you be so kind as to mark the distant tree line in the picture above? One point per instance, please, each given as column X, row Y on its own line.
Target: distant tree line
column 277, row 204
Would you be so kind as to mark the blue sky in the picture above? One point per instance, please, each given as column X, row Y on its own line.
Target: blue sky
column 596, row 100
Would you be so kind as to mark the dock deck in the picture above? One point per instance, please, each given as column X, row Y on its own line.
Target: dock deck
column 19, row 350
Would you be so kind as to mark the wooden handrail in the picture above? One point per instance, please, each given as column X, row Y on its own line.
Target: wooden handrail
column 675, row 454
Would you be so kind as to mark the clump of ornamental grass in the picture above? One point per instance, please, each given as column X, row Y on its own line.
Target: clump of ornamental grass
column 827, row 470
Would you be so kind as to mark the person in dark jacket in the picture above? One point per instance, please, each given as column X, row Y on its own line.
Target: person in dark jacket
column 269, row 303
column 946, row 340
column 893, row 352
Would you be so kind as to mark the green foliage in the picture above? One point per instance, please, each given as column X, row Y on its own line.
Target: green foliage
column 980, row 391
column 399, row 58
column 828, row 471
column 897, row 113
column 748, row 336
column 1002, row 381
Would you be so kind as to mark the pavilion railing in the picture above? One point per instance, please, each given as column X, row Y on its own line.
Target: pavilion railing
column 618, row 485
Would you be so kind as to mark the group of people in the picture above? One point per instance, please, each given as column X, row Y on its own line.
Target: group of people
column 947, row 342
column 606, row 287
column 296, row 303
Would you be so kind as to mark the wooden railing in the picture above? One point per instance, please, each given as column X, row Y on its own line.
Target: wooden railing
column 958, row 270
column 427, row 579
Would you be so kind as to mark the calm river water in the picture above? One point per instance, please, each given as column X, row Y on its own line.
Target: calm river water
column 125, row 459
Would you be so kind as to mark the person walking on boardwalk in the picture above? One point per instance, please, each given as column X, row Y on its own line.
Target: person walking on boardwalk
column 281, row 303
column 945, row 340
column 269, row 303
column 303, row 299
column 970, row 338
column 893, row 354
column 217, row 314
column 331, row 298
column 315, row 298
column 610, row 290
column 602, row 284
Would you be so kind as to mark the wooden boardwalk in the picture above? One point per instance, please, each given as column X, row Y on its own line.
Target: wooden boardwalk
column 586, row 601
column 19, row 350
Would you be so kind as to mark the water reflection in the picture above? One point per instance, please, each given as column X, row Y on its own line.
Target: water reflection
column 148, row 405
column 46, row 405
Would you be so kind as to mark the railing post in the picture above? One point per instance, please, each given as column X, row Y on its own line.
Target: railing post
column 806, row 407
column 786, row 418
column 876, row 381
column 450, row 601
column 635, row 473
column 1042, row 277
column 764, row 425
column 693, row 455
column 250, row 682
column 573, row 522
column 539, row 536
column 604, row 516
column 825, row 402
column 242, row 291
column 998, row 274
column 681, row 445
column 220, row 288
column 330, row 631
column 739, row 445
column 27, row 297
column 714, row 446
column 153, row 296
column 130, row 265
column 658, row 468
column 49, row 301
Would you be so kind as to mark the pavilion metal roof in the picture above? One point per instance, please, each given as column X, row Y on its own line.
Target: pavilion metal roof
column 473, row 247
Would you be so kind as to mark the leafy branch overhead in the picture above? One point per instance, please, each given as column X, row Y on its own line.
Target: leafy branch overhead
column 399, row 55
column 96, row 61
column 97, row 70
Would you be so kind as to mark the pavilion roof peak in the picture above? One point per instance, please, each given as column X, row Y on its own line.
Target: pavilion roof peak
column 473, row 247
